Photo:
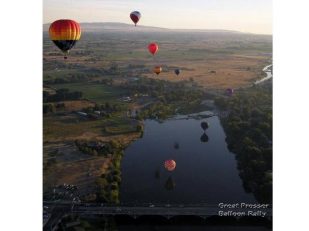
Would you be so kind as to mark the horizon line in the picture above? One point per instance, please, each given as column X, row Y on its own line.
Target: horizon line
column 164, row 28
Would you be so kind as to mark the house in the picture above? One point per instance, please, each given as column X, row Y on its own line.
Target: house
column 82, row 113
column 126, row 99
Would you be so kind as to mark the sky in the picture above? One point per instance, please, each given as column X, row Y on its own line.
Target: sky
column 253, row 16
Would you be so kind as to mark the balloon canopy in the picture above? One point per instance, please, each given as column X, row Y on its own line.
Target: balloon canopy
column 157, row 70
column 170, row 165
column 135, row 16
column 64, row 33
column 153, row 48
column 177, row 71
column 204, row 125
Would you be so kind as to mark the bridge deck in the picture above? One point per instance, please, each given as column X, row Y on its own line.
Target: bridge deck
column 168, row 211
column 164, row 211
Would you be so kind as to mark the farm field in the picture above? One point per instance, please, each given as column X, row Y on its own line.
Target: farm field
column 97, row 93
column 212, row 59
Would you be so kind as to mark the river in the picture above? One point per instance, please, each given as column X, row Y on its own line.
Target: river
column 269, row 74
column 206, row 171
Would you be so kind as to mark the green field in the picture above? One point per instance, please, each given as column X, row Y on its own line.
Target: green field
column 98, row 93
column 61, row 127
column 237, row 58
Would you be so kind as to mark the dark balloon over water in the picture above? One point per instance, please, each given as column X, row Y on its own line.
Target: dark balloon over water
column 204, row 125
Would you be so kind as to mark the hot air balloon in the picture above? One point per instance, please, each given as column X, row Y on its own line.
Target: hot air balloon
column 204, row 138
column 157, row 70
column 170, row 165
column 229, row 91
column 177, row 71
column 204, row 125
column 153, row 48
column 64, row 33
column 135, row 16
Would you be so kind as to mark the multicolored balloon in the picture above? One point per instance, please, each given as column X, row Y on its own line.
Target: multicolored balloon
column 64, row 33
column 170, row 165
column 153, row 48
column 157, row 70
column 135, row 16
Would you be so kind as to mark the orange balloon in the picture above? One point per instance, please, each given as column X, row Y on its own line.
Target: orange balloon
column 157, row 70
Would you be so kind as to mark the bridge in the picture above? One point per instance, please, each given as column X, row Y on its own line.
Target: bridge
column 168, row 211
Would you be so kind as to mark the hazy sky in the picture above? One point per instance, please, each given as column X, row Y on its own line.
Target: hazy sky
column 253, row 16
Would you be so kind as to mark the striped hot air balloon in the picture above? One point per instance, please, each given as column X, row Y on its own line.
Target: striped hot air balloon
column 64, row 33
column 157, row 70
column 135, row 16
column 170, row 165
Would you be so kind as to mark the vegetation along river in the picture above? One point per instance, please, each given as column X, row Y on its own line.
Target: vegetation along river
column 206, row 171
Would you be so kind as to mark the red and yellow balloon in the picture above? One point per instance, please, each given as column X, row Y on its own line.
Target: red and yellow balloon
column 64, row 33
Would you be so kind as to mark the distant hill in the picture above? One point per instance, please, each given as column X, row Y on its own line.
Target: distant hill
column 115, row 26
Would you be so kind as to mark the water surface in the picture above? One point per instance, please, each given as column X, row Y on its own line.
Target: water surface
column 206, row 171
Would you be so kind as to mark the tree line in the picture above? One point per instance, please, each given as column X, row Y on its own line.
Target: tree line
column 61, row 95
column 248, row 127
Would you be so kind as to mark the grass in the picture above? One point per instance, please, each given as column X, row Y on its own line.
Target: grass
column 228, row 54
column 98, row 93
column 72, row 126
